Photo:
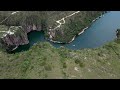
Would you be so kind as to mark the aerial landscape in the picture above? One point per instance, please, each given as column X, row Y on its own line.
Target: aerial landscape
column 59, row 44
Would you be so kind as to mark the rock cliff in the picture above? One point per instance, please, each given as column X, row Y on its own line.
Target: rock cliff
column 14, row 38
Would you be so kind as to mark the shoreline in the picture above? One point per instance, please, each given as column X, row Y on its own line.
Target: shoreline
column 81, row 32
column 14, row 48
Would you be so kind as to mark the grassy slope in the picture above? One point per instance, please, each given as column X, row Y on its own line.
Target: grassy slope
column 45, row 61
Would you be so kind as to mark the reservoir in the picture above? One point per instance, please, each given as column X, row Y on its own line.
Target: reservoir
column 100, row 32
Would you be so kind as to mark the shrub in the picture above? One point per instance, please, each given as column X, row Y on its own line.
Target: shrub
column 43, row 63
column 77, row 61
column 64, row 65
column 81, row 64
column 48, row 67
column 25, row 65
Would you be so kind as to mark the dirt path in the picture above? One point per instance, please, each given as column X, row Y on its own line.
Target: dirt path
column 62, row 21
column 8, row 32
column 9, row 16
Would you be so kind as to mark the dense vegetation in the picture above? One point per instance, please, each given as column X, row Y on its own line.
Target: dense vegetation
column 45, row 61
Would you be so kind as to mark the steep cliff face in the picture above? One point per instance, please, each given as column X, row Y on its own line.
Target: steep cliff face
column 14, row 37
column 59, row 26
column 14, row 28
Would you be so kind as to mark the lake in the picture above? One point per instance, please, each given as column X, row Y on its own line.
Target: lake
column 100, row 32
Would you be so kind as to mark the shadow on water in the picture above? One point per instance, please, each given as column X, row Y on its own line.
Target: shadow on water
column 33, row 37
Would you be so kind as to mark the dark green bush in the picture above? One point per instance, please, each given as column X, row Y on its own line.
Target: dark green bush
column 48, row 67
column 64, row 65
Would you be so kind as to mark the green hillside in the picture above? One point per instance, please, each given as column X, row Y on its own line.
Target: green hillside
column 44, row 61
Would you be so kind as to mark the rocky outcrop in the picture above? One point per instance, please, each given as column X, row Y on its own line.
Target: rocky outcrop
column 118, row 34
column 19, row 37
column 29, row 28
column 12, row 40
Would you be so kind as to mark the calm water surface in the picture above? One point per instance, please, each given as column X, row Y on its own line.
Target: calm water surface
column 101, row 31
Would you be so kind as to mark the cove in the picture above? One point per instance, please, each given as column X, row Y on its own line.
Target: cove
column 34, row 37
column 100, row 32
